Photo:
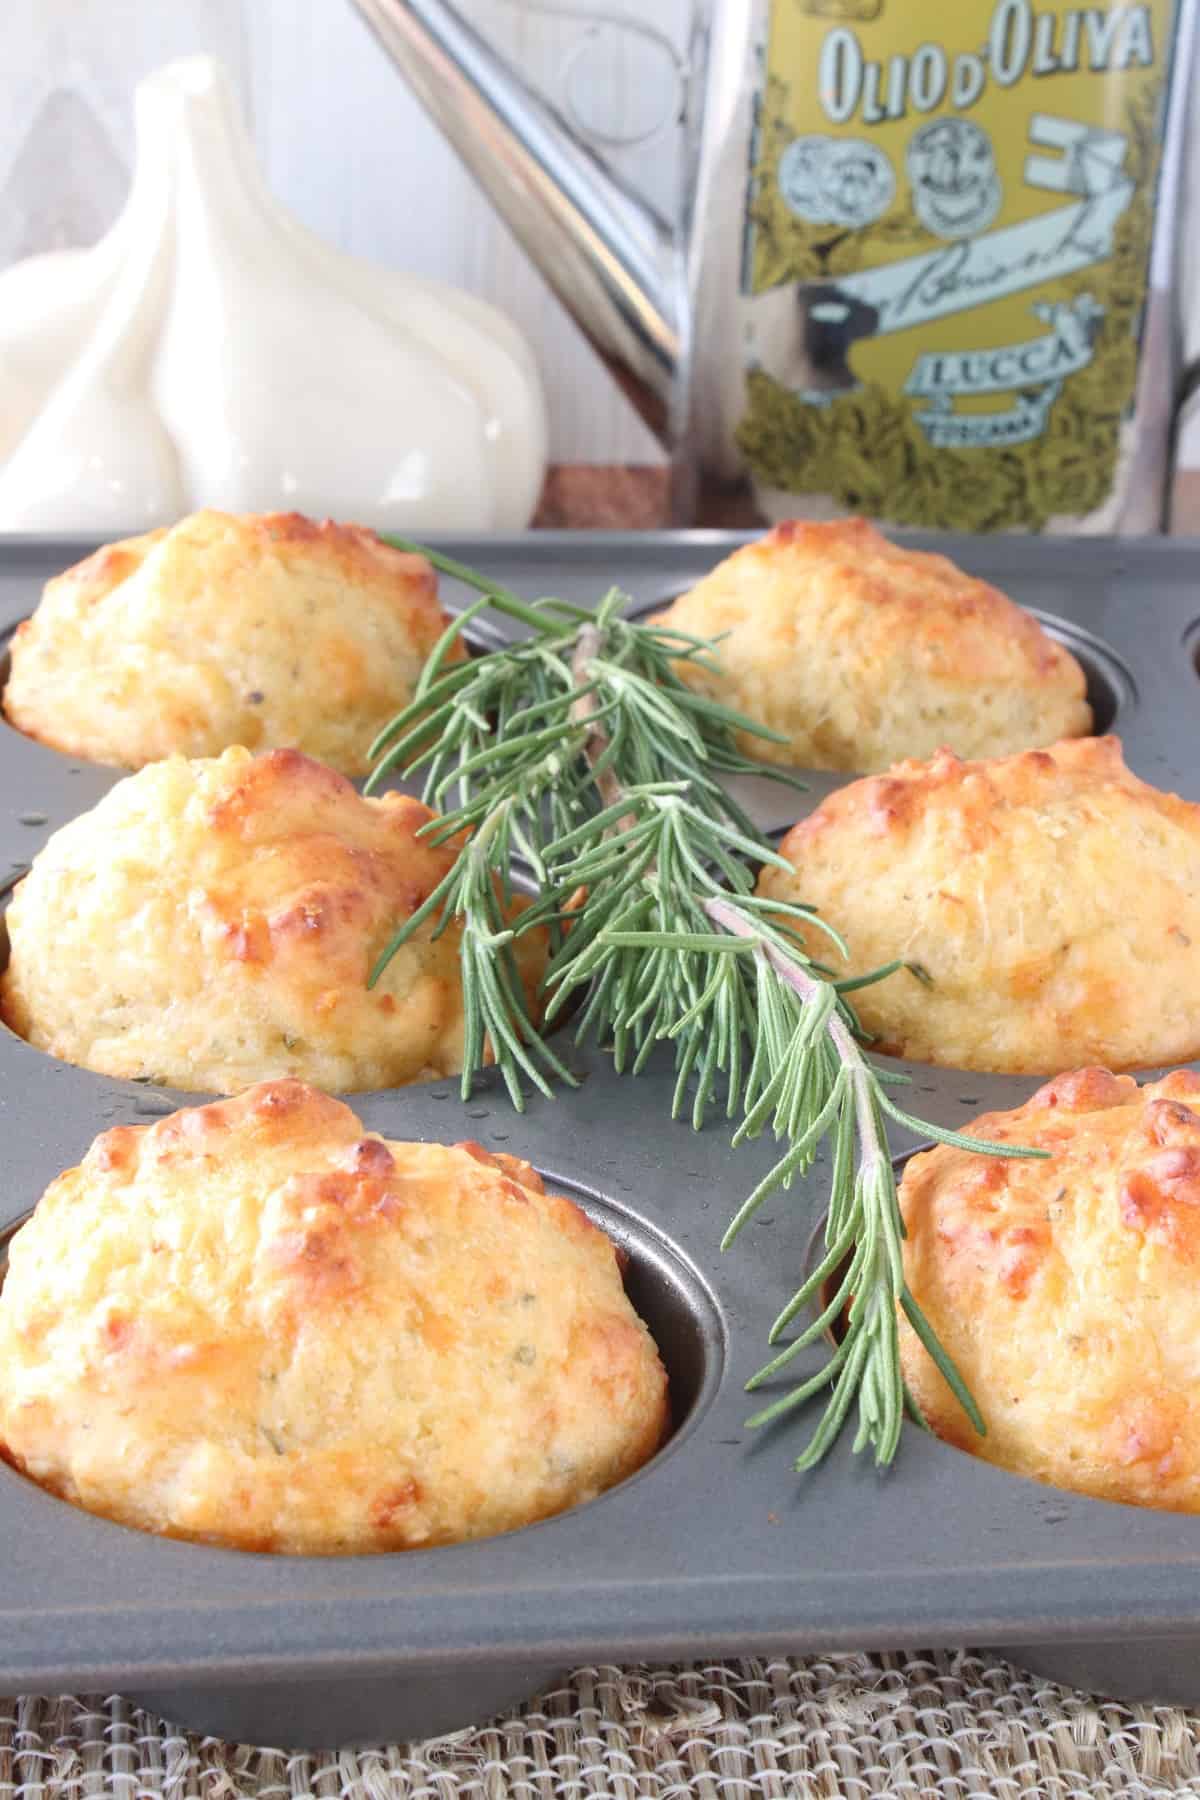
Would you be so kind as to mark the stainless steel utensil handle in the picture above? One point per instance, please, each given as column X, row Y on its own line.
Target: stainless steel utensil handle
column 614, row 261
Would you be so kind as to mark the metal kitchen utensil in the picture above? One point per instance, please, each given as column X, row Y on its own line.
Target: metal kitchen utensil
column 923, row 264
column 717, row 1546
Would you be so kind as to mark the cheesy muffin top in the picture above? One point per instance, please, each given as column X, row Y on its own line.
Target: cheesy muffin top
column 1051, row 901
column 859, row 652
column 264, row 630
column 253, row 1324
column 213, row 923
column 1065, row 1290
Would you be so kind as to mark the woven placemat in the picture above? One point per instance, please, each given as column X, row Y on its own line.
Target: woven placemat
column 951, row 1724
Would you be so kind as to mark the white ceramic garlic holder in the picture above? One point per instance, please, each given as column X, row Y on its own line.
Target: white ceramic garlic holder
column 211, row 351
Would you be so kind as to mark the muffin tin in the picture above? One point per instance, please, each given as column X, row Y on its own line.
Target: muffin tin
column 717, row 1546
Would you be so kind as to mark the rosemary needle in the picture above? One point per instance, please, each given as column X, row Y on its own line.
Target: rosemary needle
column 580, row 750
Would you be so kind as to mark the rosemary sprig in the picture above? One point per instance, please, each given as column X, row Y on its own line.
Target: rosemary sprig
column 579, row 750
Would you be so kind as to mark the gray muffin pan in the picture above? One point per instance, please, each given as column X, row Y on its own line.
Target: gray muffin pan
column 717, row 1546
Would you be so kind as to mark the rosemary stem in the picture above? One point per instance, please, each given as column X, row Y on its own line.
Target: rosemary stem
column 872, row 1148
column 809, row 988
column 585, row 709
column 581, row 748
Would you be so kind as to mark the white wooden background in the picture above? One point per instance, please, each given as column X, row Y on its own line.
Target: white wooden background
column 346, row 147
column 342, row 143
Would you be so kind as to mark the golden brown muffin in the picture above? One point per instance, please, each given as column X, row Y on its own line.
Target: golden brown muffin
column 860, row 651
column 1065, row 1290
column 214, row 923
column 253, row 1325
column 260, row 630
column 1052, row 899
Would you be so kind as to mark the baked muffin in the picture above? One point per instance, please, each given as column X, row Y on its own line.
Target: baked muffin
column 1065, row 1290
column 1052, row 900
column 264, row 630
column 253, row 1325
column 860, row 651
column 213, row 923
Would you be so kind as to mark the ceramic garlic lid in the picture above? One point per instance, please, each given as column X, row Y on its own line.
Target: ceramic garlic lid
column 210, row 351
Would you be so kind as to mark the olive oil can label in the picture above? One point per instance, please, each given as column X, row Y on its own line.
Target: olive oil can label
column 947, row 245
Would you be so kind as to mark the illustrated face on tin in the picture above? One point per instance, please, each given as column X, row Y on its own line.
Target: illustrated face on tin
column 800, row 175
column 829, row 181
column 856, row 183
column 956, row 189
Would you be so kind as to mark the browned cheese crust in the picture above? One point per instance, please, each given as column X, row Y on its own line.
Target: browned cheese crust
column 1052, row 898
column 252, row 1324
column 213, row 923
column 264, row 630
column 860, row 651
column 1066, row 1290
